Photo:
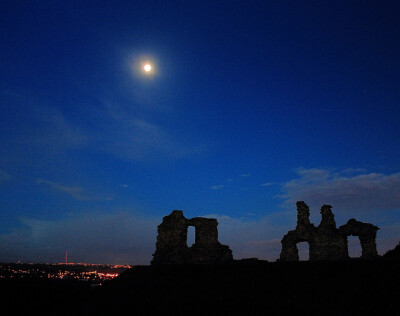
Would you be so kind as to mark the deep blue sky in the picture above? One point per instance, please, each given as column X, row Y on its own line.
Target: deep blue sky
column 251, row 106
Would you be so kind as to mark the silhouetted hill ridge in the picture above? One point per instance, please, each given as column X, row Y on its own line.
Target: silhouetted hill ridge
column 353, row 287
column 246, row 287
column 393, row 254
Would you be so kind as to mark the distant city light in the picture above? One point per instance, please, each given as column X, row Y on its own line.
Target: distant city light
column 93, row 273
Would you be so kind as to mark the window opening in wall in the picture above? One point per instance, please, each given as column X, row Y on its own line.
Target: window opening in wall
column 191, row 236
column 304, row 251
column 354, row 246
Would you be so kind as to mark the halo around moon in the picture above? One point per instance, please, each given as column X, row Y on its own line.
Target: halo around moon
column 144, row 66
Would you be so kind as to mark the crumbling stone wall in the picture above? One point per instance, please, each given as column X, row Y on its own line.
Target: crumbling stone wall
column 171, row 240
column 303, row 232
column 326, row 242
column 171, row 246
column 365, row 232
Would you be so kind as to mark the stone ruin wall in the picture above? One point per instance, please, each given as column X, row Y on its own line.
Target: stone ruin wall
column 326, row 242
column 172, row 248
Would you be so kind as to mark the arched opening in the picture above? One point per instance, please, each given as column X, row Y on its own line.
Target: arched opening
column 191, row 233
column 354, row 246
column 304, row 251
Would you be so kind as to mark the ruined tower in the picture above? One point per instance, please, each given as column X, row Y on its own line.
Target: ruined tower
column 326, row 242
column 171, row 246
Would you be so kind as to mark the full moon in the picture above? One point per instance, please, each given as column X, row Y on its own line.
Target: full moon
column 147, row 67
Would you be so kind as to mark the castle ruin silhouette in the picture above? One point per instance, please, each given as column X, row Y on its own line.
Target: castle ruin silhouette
column 172, row 248
column 326, row 242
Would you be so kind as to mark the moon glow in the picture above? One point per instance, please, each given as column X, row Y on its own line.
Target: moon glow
column 147, row 67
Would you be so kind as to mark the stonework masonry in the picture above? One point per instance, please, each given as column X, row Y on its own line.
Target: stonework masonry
column 171, row 246
column 326, row 242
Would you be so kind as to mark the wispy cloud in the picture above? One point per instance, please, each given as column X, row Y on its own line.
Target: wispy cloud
column 48, row 126
column 140, row 139
column 121, row 237
column 133, row 137
column 77, row 193
column 57, row 130
column 217, row 187
column 357, row 192
column 129, row 238
column 266, row 184
column 255, row 237
column 100, row 127
column 4, row 176
column 244, row 175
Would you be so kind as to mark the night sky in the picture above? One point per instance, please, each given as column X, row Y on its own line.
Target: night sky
column 249, row 107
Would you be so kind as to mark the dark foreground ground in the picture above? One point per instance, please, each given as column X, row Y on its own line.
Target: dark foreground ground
column 242, row 288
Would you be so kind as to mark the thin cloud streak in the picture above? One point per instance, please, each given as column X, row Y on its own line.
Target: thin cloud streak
column 266, row 184
column 130, row 137
column 113, row 129
column 122, row 238
column 217, row 187
column 4, row 176
column 44, row 126
column 77, row 193
column 360, row 192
